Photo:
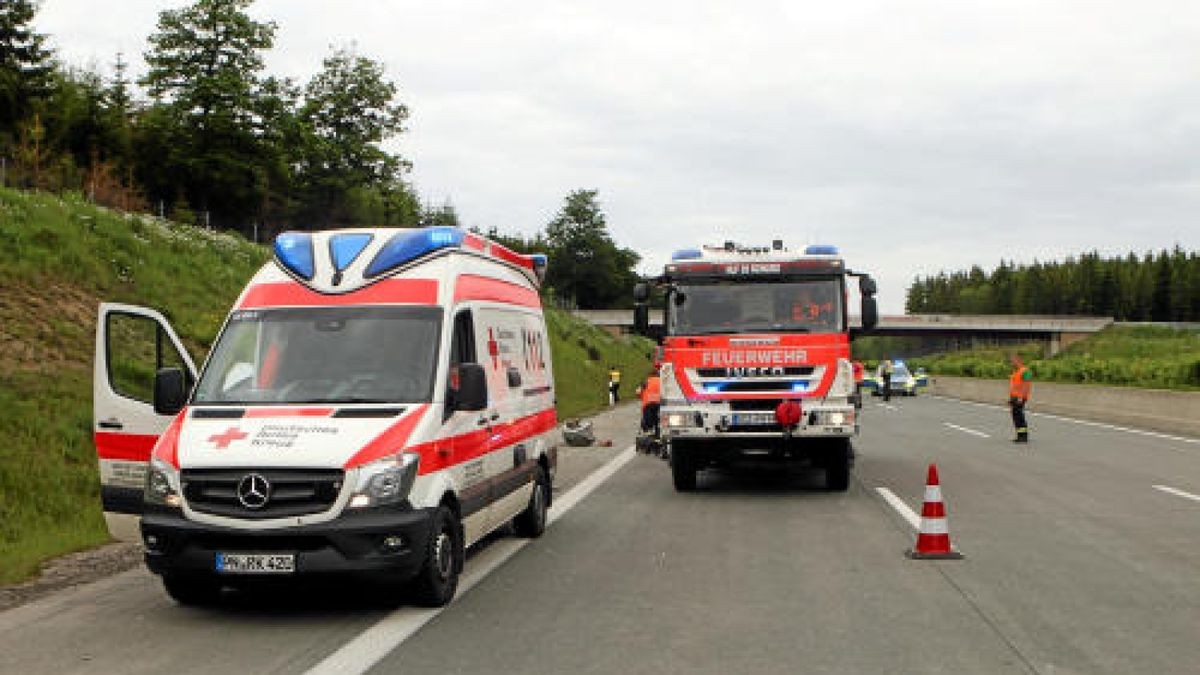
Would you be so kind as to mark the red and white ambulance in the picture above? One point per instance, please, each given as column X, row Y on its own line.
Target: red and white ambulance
column 756, row 358
column 377, row 401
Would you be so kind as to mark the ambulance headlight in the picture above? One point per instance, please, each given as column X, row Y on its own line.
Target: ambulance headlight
column 162, row 484
column 386, row 481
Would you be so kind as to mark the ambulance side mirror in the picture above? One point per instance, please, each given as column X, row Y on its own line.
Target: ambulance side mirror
column 170, row 391
column 866, row 286
column 472, row 388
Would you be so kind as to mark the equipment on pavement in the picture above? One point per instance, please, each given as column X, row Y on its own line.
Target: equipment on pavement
column 933, row 540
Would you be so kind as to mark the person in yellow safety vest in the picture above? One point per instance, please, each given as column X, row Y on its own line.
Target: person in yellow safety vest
column 614, row 385
column 651, row 399
column 1019, row 386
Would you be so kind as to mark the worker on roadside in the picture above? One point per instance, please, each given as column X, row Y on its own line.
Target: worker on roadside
column 1019, row 386
column 649, row 392
column 614, row 385
column 885, row 375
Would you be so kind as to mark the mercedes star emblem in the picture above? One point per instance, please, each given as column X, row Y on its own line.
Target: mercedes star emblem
column 253, row 491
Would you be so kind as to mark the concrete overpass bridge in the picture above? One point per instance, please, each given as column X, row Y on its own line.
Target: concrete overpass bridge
column 940, row 331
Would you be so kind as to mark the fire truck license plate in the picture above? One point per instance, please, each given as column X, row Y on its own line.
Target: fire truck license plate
column 256, row 563
column 754, row 419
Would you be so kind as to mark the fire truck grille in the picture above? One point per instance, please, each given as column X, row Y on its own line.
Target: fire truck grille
column 289, row 492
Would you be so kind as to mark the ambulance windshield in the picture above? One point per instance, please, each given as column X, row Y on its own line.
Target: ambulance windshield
column 323, row 355
column 809, row 306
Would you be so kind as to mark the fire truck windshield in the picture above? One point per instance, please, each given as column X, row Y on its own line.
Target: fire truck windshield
column 729, row 307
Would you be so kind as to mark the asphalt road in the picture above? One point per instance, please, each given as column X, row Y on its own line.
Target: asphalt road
column 1075, row 563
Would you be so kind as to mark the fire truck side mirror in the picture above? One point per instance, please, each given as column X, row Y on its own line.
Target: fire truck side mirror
column 641, row 319
column 870, row 312
column 641, row 293
column 866, row 286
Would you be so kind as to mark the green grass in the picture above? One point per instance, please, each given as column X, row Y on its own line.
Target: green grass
column 582, row 356
column 1153, row 357
column 58, row 259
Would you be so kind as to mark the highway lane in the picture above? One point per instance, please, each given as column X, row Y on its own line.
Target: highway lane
column 1075, row 563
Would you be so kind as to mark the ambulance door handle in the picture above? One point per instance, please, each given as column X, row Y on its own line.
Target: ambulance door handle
column 111, row 423
column 495, row 416
column 482, row 421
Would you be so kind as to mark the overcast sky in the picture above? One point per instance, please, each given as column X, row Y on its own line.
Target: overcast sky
column 917, row 135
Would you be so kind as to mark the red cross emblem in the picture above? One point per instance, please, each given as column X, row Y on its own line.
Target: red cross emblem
column 493, row 349
column 223, row 440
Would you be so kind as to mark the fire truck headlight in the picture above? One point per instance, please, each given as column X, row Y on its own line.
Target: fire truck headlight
column 680, row 419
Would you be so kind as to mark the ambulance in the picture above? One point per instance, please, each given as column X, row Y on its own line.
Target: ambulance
column 377, row 401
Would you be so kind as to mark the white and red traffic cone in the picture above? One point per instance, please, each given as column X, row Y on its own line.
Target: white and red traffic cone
column 933, row 541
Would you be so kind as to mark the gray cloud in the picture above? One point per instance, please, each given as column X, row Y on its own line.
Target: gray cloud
column 919, row 135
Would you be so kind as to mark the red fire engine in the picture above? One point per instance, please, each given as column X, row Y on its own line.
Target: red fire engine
column 756, row 358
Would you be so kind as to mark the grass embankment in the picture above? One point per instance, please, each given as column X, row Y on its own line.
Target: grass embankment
column 60, row 258
column 1151, row 357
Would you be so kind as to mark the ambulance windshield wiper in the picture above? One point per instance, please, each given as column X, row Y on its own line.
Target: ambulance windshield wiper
column 342, row 399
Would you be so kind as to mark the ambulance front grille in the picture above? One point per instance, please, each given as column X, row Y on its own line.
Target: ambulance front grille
column 291, row 492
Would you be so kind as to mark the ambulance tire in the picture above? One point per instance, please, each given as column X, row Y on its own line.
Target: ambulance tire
column 435, row 584
column 683, row 470
column 192, row 590
column 838, row 458
column 531, row 522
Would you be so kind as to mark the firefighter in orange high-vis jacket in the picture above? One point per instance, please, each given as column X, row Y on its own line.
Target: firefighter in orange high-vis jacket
column 649, row 393
column 1019, row 384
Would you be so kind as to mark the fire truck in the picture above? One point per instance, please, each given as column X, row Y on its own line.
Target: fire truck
column 755, row 358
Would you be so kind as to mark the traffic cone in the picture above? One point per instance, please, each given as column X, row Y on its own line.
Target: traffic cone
column 933, row 541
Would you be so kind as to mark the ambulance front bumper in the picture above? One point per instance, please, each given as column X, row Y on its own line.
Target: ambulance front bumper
column 381, row 540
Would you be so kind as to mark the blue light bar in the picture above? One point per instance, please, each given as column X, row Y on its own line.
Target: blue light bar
column 344, row 248
column 821, row 249
column 713, row 388
column 799, row 387
column 687, row 254
column 409, row 245
column 539, row 259
column 294, row 250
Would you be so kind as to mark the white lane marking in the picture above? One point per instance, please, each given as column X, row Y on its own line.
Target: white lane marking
column 361, row 653
column 889, row 406
column 1177, row 492
column 902, row 508
column 966, row 430
column 1102, row 425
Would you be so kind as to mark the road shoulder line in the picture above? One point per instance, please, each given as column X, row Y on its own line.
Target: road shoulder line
column 369, row 647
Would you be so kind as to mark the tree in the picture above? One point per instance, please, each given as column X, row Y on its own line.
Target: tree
column 586, row 266
column 349, row 109
column 25, row 66
column 204, row 64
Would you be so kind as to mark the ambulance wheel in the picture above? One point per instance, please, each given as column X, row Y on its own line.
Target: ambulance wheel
column 683, row 471
column 437, row 581
column 837, row 465
column 532, row 521
column 192, row 590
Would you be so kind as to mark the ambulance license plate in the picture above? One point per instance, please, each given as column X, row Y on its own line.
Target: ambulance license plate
column 256, row 563
column 754, row 419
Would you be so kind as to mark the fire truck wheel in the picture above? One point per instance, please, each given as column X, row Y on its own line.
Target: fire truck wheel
column 192, row 590
column 837, row 465
column 683, row 471
column 437, row 581
column 532, row 521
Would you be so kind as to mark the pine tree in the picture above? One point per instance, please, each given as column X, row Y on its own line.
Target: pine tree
column 25, row 66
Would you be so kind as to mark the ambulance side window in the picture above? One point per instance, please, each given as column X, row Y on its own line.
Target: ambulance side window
column 462, row 344
column 462, row 350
